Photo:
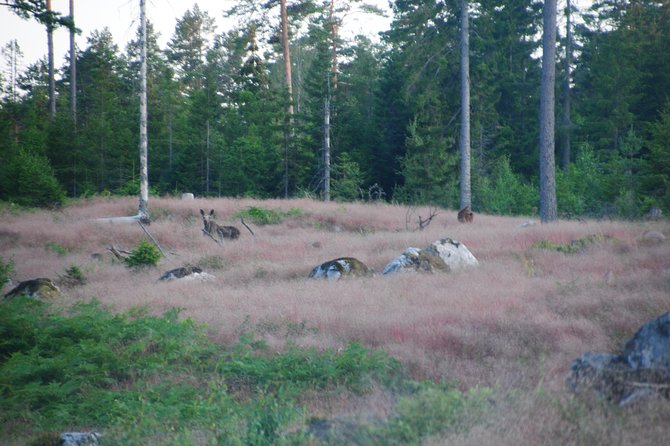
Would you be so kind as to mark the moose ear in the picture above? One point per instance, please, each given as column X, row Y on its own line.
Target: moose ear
column 202, row 212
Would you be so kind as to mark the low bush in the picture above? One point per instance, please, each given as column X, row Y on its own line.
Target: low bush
column 144, row 254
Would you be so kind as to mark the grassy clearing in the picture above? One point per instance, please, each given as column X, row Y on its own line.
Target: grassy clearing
column 488, row 348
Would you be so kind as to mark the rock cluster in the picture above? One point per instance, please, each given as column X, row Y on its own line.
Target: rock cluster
column 441, row 255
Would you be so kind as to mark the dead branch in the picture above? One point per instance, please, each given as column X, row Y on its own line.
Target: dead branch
column 424, row 223
column 245, row 225
column 210, row 236
column 119, row 254
column 151, row 237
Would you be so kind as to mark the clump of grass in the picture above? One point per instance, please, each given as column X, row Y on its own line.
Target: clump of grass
column 436, row 409
column 264, row 216
column 74, row 276
column 57, row 248
column 572, row 247
column 6, row 271
column 213, row 262
column 144, row 254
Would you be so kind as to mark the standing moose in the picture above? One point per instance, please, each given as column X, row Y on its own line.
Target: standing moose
column 213, row 229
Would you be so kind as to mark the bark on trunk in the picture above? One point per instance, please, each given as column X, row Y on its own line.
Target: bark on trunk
column 144, row 169
column 73, row 70
column 548, row 208
column 52, row 78
column 567, row 122
column 326, row 148
column 466, row 194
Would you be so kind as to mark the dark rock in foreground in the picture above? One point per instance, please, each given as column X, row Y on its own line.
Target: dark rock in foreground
column 642, row 370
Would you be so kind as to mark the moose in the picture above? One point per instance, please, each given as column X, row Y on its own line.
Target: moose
column 213, row 229
column 465, row 215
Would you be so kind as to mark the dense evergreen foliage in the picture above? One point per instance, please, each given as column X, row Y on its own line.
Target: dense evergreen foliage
column 219, row 126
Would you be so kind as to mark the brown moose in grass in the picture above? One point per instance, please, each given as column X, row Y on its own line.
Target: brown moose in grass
column 213, row 229
column 465, row 215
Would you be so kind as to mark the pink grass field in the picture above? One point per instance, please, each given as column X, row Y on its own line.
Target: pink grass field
column 515, row 323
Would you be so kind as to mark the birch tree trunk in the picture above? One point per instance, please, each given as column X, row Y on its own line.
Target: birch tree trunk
column 144, row 169
column 548, row 207
column 466, row 194
column 326, row 147
column 52, row 78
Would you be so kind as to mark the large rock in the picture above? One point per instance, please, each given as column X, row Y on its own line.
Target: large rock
column 453, row 253
column 641, row 371
column 650, row 347
column 80, row 439
column 342, row 267
column 441, row 255
column 415, row 259
column 186, row 273
column 40, row 289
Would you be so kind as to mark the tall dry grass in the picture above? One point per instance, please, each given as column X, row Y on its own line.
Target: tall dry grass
column 515, row 323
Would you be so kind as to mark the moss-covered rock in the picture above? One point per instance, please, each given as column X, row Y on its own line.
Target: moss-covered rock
column 40, row 289
column 341, row 267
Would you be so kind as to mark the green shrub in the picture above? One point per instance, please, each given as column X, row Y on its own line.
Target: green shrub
column 579, row 190
column 74, row 275
column 504, row 192
column 263, row 216
column 29, row 181
column 56, row 248
column 144, row 254
column 347, row 179
column 436, row 409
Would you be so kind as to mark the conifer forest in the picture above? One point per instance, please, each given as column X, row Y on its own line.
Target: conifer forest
column 283, row 104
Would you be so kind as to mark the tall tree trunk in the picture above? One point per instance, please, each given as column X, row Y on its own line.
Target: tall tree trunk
column 289, row 86
column 466, row 194
column 207, row 168
column 144, row 169
column 333, row 50
column 73, row 70
column 287, row 56
column 52, row 77
column 326, row 147
column 548, row 207
column 567, row 122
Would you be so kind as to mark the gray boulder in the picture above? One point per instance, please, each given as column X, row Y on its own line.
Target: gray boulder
column 641, row 371
column 415, row 259
column 453, row 253
column 341, row 267
column 80, row 439
column 186, row 273
column 441, row 255
column 650, row 347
